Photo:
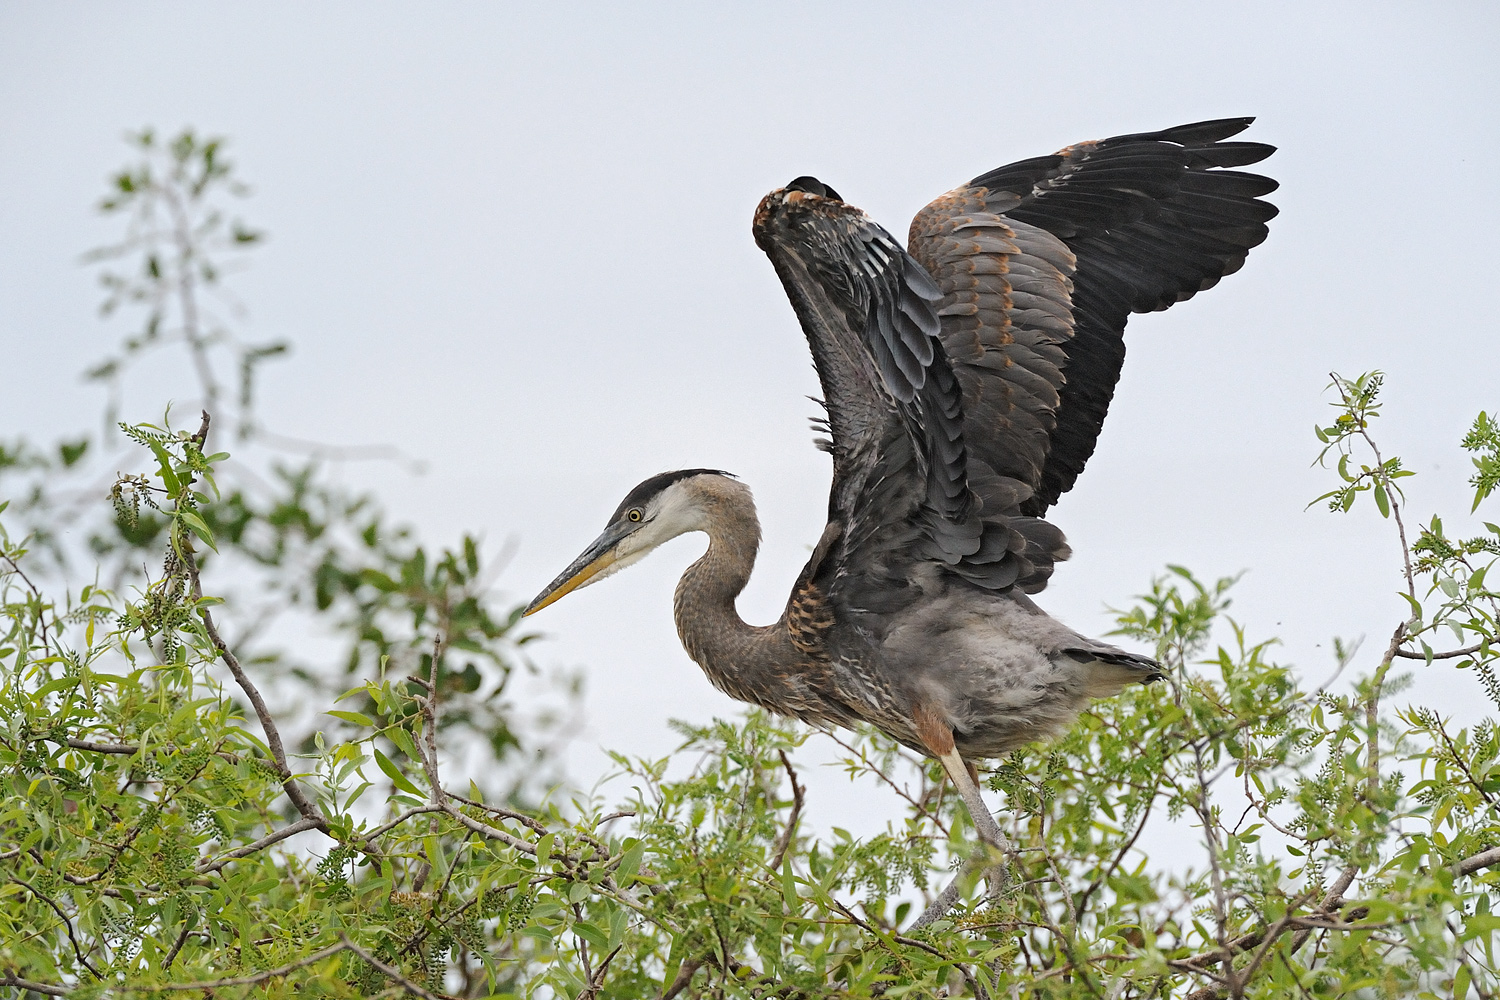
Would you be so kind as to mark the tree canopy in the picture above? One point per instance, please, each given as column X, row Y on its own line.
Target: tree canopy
column 196, row 802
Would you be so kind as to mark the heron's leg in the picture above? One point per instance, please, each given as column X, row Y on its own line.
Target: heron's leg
column 938, row 737
column 967, row 784
column 996, row 873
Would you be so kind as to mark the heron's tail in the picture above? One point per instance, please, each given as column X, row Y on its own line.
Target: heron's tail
column 1142, row 669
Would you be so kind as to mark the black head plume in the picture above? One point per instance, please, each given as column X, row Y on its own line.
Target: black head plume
column 812, row 185
column 639, row 496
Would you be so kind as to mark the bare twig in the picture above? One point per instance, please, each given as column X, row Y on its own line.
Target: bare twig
column 263, row 975
column 290, row 784
column 301, row 826
column 685, row 973
column 90, row 745
column 385, row 828
column 1485, row 859
column 390, row 972
column 1446, row 655
column 11, row 979
column 177, row 946
column 879, row 773
column 596, row 981
column 624, row 814
column 67, row 923
column 785, row 840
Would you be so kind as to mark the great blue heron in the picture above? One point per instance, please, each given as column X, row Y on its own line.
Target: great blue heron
column 965, row 381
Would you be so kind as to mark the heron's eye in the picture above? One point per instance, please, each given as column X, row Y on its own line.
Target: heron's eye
column 635, row 514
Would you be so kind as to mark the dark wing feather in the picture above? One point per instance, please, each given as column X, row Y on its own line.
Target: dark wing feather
column 894, row 408
column 1101, row 229
column 866, row 308
column 902, row 486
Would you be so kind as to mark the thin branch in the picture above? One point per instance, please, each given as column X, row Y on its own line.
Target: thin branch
column 1446, row 655
column 177, row 946
column 11, row 979
column 301, row 826
column 1332, row 900
column 685, row 973
column 267, row 723
column 975, row 986
column 127, row 749
column 117, row 748
column 626, row 814
column 385, row 828
column 485, row 830
column 1083, row 901
column 921, row 808
column 263, row 975
column 1276, row 930
column 596, row 981
column 1485, row 859
column 785, row 840
column 530, row 821
column 390, row 972
column 67, row 923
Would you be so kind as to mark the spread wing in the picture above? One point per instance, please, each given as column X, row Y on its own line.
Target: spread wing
column 1041, row 263
column 966, row 382
column 901, row 491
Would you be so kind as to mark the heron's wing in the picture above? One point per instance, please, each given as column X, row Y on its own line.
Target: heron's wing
column 1041, row 263
column 894, row 413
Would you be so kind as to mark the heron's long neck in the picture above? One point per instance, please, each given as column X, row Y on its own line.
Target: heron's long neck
column 747, row 662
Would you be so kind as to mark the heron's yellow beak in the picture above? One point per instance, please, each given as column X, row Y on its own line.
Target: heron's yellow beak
column 598, row 559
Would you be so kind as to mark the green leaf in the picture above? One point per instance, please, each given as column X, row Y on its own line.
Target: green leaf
column 399, row 736
column 394, row 773
column 200, row 528
column 630, row 861
column 589, row 932
column 1381, row 501
column 164, row 470
column 789, row 887
column 357, row 718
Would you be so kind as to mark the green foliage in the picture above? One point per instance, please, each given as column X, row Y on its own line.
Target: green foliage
column 180, row 240
column 1358, row 405
column 164, row 831
column 1484, row 438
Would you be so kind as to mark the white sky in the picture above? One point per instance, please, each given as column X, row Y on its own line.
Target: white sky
column 516, row 243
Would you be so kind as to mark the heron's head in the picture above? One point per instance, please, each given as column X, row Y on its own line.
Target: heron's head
column 656, row 511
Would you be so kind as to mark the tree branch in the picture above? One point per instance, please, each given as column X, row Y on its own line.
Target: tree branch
column 1485, row 859
column 1447, row 655
column 301, row 826
column 11, row 979
column 267, row 722
column 389, row 972
column 67, row 923
column 685, row 973
column 263, row 975
column 785, row 840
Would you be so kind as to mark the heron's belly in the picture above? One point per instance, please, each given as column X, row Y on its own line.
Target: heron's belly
column 995, row 711
column 1000, row 687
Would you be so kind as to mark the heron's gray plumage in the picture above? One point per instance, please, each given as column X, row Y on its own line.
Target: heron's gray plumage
column 965, row 380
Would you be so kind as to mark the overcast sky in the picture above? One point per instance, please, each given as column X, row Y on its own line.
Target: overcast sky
column 515, row 241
